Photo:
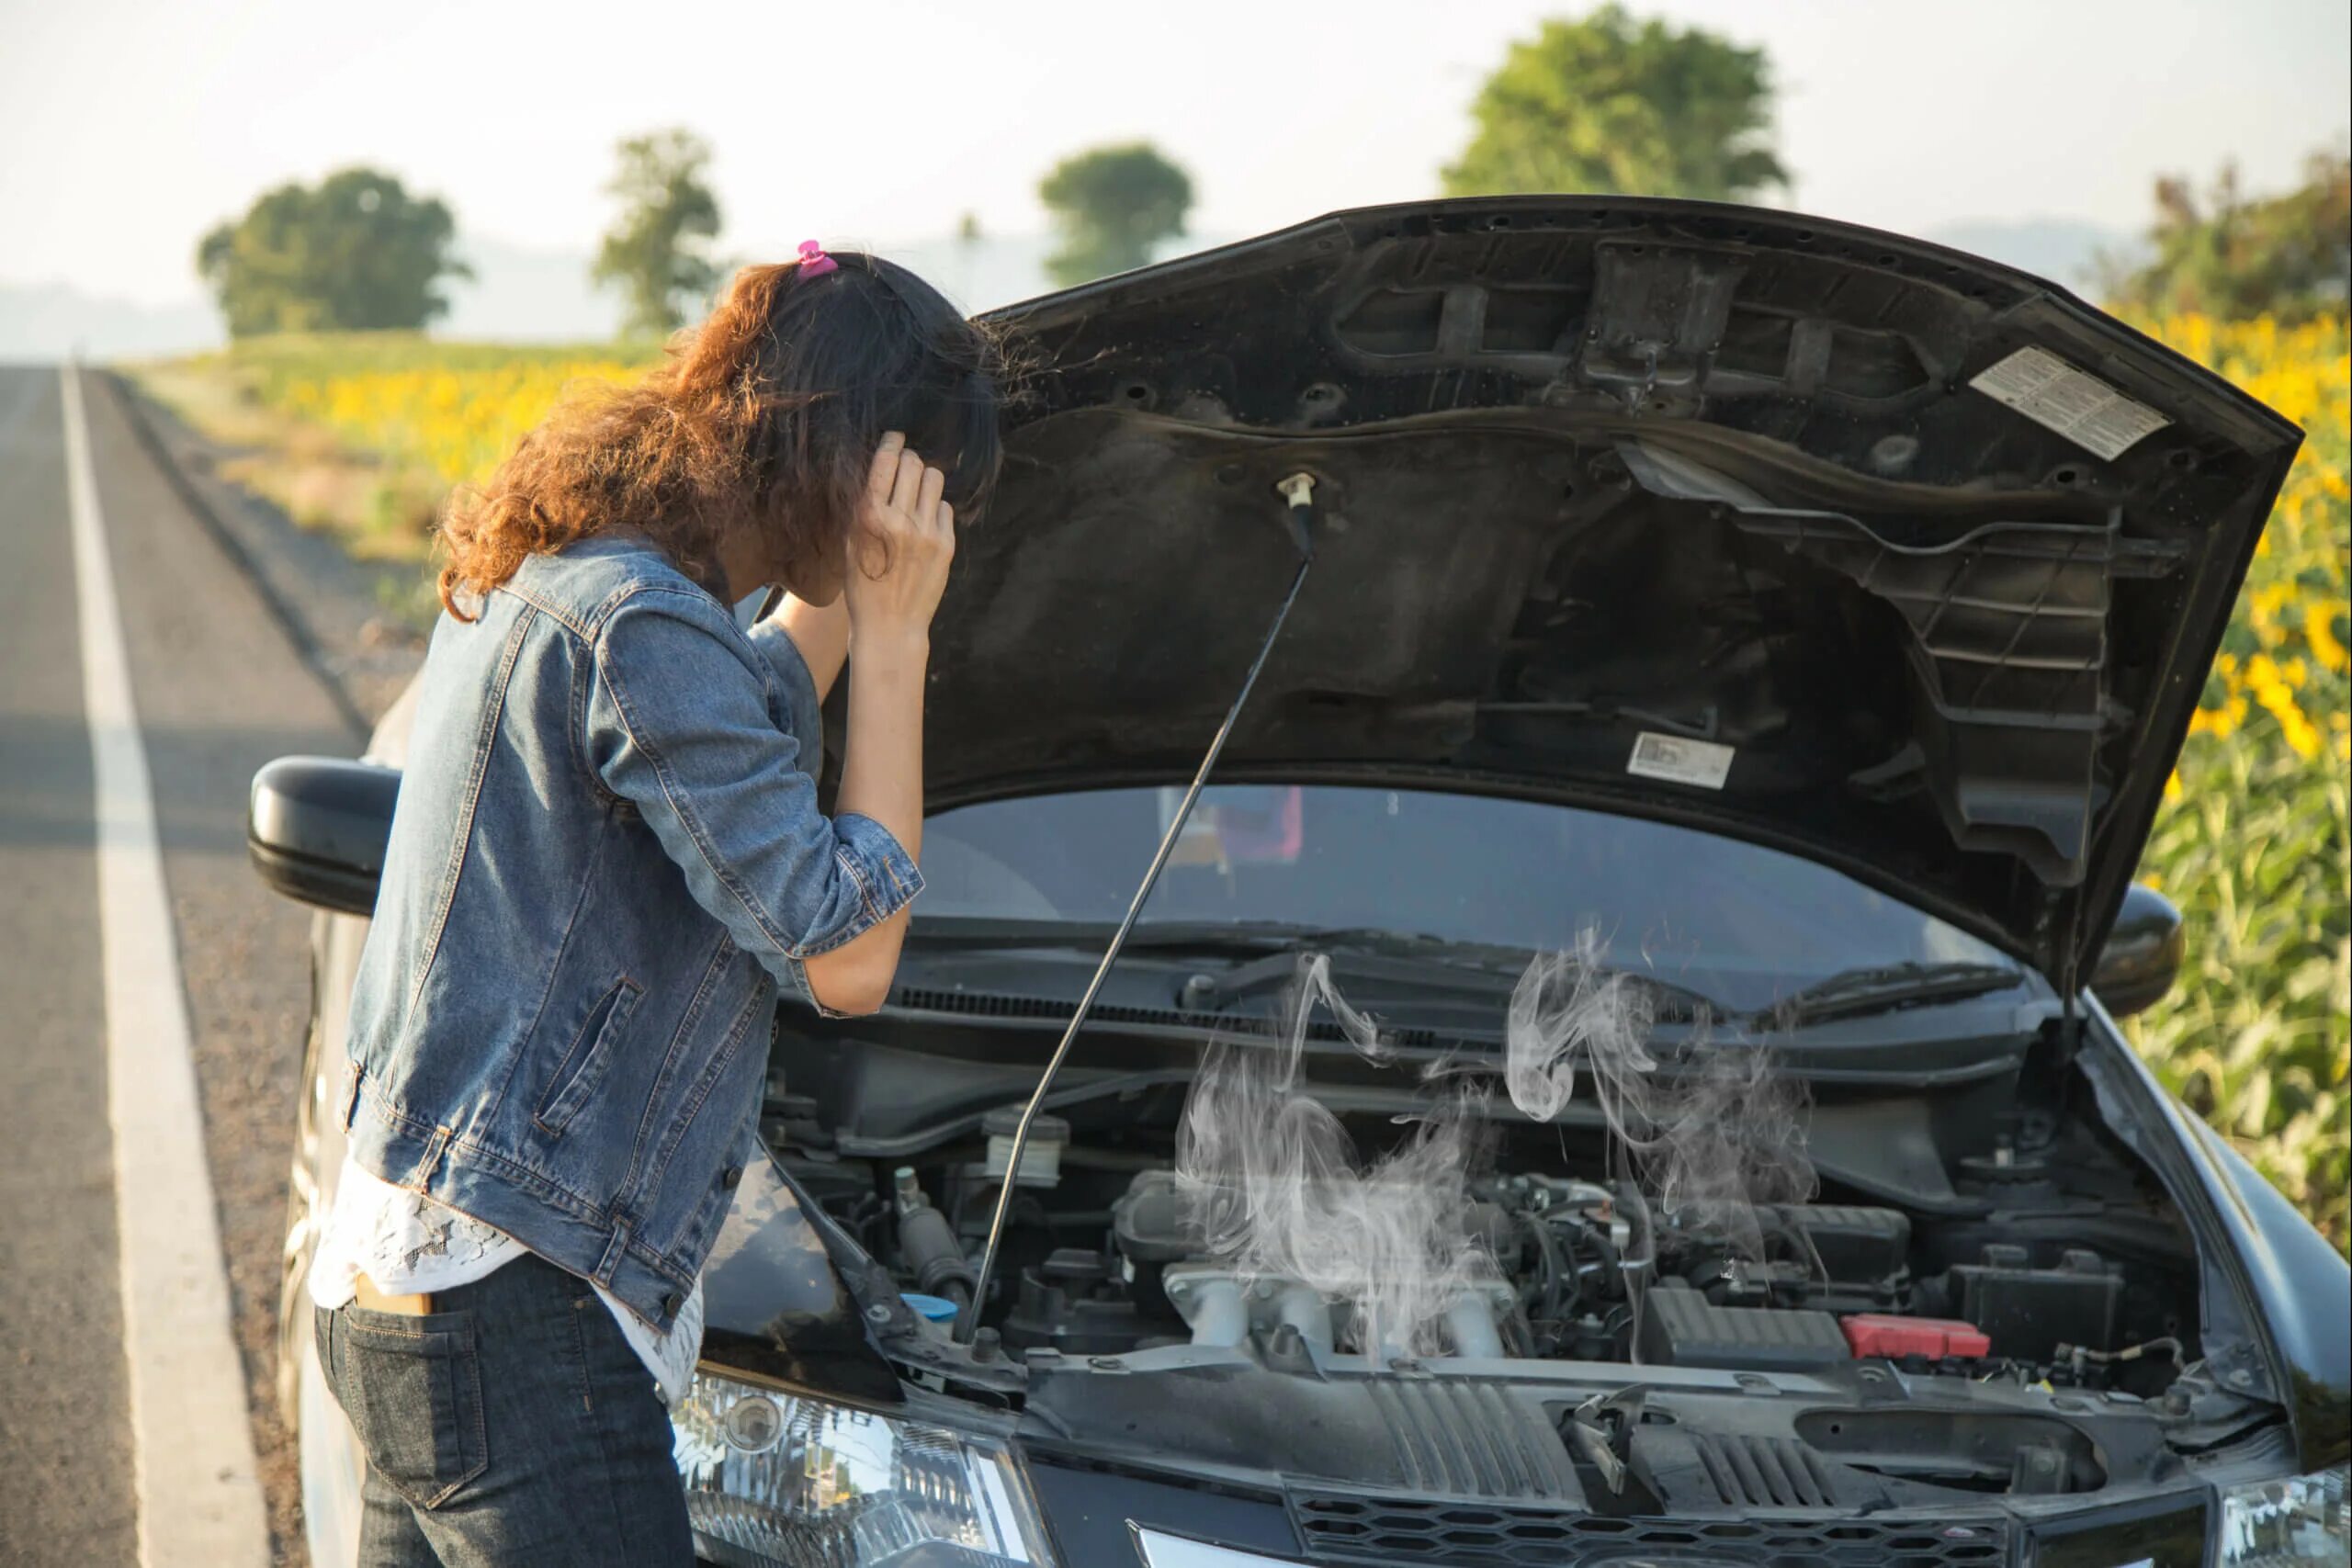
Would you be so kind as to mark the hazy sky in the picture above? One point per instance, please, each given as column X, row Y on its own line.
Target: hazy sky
column 127, row 129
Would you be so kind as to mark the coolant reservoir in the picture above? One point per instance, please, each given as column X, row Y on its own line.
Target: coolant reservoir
column 1040, row 1161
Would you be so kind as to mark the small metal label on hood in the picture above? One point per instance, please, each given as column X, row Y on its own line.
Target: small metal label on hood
column 2077, row 405
column 1680, row 761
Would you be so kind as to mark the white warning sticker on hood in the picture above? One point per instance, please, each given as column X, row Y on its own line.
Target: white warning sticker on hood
column 2074, row 403
column 1680, row 761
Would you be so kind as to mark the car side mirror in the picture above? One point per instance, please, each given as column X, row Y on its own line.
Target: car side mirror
column 316, row 828
column 2142, row 955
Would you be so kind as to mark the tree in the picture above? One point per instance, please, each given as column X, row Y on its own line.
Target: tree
column 2235, row 256
column 657, row 251
column 1607, row 105
column 1112, row 204
column 354, row 254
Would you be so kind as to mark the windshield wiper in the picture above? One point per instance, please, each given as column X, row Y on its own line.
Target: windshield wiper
column 1270, row 951
column 1856, row 993
column 1423, row 961
column 950, row 933
column 1435, row 963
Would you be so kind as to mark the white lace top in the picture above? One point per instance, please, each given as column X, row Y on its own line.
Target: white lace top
column 407, row 1244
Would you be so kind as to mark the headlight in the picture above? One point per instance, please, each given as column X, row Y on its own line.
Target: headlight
column 2304, row 1519
column 777, row 1482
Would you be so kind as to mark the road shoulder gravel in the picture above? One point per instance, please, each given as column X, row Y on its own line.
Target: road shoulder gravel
column 331, row 608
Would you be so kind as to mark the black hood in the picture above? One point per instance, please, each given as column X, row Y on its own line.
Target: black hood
column 1812, row 536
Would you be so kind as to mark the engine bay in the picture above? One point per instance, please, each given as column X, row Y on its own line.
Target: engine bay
column 1109, row 1260
column 2023, row 1321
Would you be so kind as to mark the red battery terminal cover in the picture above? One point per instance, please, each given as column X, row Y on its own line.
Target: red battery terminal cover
column 1880, row 1334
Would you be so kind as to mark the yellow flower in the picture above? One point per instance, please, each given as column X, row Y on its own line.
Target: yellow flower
column 2319, row 631
column 2302, row 736
column 2220, row 723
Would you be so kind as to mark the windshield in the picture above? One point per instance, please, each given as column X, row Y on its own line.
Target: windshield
column 1737, row 923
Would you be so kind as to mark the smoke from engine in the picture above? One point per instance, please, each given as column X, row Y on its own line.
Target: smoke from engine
column 1274, row 1180
column 1275, row 1184
column 1704, row 1140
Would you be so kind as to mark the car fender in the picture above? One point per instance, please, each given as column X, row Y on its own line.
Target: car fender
column 2276, row 1296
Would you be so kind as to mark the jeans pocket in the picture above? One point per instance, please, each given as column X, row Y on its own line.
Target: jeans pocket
column 413, row 1389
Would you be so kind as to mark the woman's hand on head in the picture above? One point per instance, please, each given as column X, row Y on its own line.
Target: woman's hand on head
column 898, row 571
column 906, row 539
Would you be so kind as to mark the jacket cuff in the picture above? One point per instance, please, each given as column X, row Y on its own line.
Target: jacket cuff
column 775, row 646
column 806, row 993
column 882, row 867
column 886, row 879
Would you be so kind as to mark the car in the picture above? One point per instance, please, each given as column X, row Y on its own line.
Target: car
column 1621, row 1063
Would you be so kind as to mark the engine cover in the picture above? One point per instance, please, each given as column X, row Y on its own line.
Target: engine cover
column 1680, row 1328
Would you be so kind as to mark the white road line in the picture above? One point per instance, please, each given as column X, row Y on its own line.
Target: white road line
column 200, row 1499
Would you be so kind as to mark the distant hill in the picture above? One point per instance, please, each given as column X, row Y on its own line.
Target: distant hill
column 49, row 321
column 520, row 293
column 2063, row 250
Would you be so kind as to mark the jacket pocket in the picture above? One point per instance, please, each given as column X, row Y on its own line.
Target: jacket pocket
column 413, row 1389
column 591, row 1052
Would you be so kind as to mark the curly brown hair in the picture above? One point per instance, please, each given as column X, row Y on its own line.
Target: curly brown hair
column 765, row 416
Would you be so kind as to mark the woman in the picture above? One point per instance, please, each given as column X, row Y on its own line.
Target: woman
column 606, row 859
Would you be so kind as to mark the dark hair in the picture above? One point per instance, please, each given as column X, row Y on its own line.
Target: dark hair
column 766, row 415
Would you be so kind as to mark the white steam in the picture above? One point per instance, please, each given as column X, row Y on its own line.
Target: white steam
column 1569, row 1009
column 1274, row 1180
column 1704, row 1140
column 1276, row 1187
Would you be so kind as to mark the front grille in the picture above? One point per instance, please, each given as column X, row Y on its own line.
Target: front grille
column 1393, row 1533
column 1470, row 1439
column 1764, row 1473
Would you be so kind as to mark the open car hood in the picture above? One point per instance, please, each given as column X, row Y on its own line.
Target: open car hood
column 1873, row 552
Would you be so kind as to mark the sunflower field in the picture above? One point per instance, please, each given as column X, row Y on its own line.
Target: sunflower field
column 2251, row 844
column 365, row 434
column 452, row 414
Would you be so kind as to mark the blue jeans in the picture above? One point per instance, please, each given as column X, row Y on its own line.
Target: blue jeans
column 511, row 1426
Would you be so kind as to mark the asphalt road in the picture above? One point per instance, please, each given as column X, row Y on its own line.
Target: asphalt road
column 219, row 690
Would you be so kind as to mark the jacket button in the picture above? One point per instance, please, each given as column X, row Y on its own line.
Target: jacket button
column 731, row 1178
column 671, row 1303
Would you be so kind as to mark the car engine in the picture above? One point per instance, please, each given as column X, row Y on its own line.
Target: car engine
column 1378, row 1268
column 1109, row 1257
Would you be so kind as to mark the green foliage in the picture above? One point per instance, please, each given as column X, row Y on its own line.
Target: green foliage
column 1112, row 204
column 1608, row 105
column 2252, row 841
column 2235, row 257
column 354, row 254
column 2253, row 1038
column 657, row 251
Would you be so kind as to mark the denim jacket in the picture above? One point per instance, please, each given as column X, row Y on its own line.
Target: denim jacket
column 606, row 855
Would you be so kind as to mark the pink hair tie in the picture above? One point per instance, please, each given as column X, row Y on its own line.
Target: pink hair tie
column 814, row 261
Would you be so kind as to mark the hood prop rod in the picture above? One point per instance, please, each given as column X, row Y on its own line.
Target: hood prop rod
column 1299, row 495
